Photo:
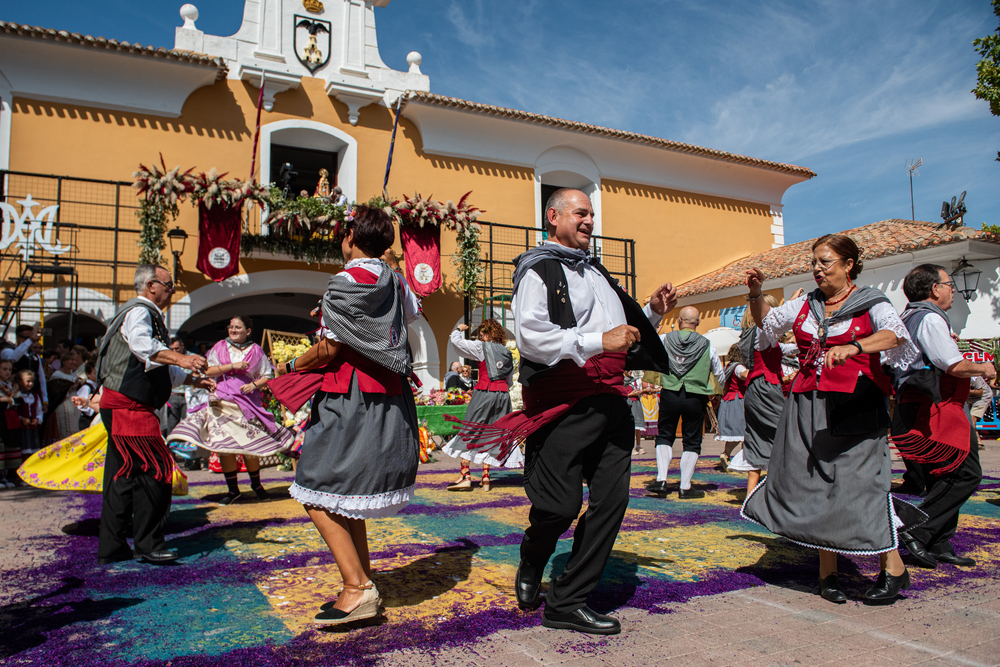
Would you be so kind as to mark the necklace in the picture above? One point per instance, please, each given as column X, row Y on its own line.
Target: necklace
column 834, row 303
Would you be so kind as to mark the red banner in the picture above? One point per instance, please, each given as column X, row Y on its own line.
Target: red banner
column 219, row 241
column 422, row 251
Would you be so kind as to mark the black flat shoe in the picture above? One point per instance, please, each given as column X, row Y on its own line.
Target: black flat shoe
column 887, row 587
column 157, row 557
column 262, row 494
column 657, row 487
column 689, row 494
column 829, row 589
column 583, row 619
column 528, row 586
column 229, row 498
column 954, row 559
column 917, row 550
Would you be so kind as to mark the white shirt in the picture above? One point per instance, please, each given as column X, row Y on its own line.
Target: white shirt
column 780, row 319
column 14, row 355
column 86, row 391
column 934, row 338
column 411, row 304
column 137, row 330
column 473, row 349
column 717, row 369
column 595, row 306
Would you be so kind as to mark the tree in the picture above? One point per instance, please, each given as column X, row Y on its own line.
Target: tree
column 988, row 69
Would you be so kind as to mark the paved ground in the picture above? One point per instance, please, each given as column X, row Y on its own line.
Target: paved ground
column 767, row 613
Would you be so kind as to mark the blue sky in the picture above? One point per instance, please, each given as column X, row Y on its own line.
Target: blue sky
column 850, row 89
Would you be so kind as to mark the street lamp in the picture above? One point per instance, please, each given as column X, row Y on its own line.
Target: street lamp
column 175, row 236
column 966, row 278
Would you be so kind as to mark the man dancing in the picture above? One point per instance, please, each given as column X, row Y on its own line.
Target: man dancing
column 577, row 331
column 686, row 391
column 931, row 425
column 137, row 370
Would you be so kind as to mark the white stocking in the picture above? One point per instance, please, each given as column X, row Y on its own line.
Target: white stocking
column 663, row 455
column 688, row 461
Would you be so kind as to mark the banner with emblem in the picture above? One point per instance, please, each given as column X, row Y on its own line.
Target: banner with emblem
column 422, row 252
column 219, row 241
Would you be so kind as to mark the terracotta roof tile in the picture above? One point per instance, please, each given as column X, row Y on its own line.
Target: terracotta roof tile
column 514, row 114
column 879, row 239
column 77, row 39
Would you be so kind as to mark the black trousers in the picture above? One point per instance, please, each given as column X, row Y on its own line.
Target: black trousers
column 138, row 498
column 945, row 496
column 592, row 442
column 690, row 410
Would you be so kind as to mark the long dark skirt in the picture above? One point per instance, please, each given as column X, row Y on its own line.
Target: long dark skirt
column 829, row 492
column 360, row 454
column 762, row 406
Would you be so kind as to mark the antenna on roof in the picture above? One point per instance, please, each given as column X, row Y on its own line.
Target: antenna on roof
column 911, row 168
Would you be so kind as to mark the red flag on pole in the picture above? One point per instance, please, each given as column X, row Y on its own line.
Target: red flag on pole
column 219, row 241
column 422, row 250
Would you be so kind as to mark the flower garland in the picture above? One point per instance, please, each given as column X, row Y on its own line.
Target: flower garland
column 306, row 228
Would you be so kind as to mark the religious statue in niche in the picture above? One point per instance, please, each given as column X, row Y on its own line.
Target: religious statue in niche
column 323, row 187
column 312, row 42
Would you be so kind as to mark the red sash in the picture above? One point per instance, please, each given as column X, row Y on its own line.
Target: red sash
column 941, row 432
column 135, row 430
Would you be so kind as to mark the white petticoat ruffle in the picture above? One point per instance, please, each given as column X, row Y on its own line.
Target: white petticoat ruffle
column 376, row 506
column 729, row 438
column 455, row 448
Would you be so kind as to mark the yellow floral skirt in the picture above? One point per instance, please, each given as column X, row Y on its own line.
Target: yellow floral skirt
column 76, row 463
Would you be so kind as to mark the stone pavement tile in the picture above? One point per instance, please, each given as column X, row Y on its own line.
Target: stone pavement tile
column 910, row 630
column 899, row 655
column 816, row 654
column 987, row 653
column 660, row 633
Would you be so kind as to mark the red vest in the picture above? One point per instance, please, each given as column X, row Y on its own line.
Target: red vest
column 486, row 384
column 373, row 378
column 841, row 378
column 735, row 387
column 766, row 363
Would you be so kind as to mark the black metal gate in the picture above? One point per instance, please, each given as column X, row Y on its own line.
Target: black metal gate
column 500, row 244
column 95, row 219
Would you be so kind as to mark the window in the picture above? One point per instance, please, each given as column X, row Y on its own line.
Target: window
column 306, row 163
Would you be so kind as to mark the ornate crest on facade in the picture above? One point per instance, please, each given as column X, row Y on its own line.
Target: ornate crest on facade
column 25, row 230
column 312, row 42
column 314, row 6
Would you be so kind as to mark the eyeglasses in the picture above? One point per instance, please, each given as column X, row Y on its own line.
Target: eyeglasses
column 950, row 283
column 169, row 285
column 823, row 263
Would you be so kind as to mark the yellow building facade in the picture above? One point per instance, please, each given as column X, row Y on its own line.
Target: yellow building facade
column 85, row 108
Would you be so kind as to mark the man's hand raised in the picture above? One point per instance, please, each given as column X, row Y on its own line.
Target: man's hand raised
column 195, row 363
column 663, row 299
column 620, row 339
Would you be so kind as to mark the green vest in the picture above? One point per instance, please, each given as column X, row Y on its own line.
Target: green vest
column 697, row 379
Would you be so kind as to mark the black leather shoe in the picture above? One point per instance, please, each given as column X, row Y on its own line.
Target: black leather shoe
column 829, row 589
column 583, row 619
column 158, row 557
column 917, row 550
column 262, row 494
column 229, row 498
column 528, row 586
column 954, row 559
column 887, row 587
column 688, row 494
column 657, row 487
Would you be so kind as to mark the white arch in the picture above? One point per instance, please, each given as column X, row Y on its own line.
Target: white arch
column 311, row 134
column 569, row 168
column 89, row 302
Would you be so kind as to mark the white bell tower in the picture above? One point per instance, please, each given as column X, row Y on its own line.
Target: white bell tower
column 282, row 41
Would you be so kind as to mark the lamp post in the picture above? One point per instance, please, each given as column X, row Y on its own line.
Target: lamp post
column 966, row 278
column 175, row 236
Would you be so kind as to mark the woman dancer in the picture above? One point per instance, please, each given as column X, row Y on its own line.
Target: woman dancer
column 763, row 400
column 360, row 455
column 235, row 420
column 732, row 423
column 490, row 402
column 828, row 485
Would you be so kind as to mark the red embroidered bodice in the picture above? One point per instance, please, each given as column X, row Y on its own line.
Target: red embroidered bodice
column 486, row 384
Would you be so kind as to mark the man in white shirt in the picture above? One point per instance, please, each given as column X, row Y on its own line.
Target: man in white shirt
column 949, row 456
column 138, row 370
column 577, row 331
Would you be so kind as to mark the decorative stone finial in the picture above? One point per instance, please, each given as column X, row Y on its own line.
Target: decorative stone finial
column 190, row 14
column 414, row 59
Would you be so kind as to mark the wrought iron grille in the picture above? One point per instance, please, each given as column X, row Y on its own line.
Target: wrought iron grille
column 500, row 244
column 95, row 218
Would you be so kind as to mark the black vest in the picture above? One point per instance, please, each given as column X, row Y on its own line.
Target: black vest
column 645, row 355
